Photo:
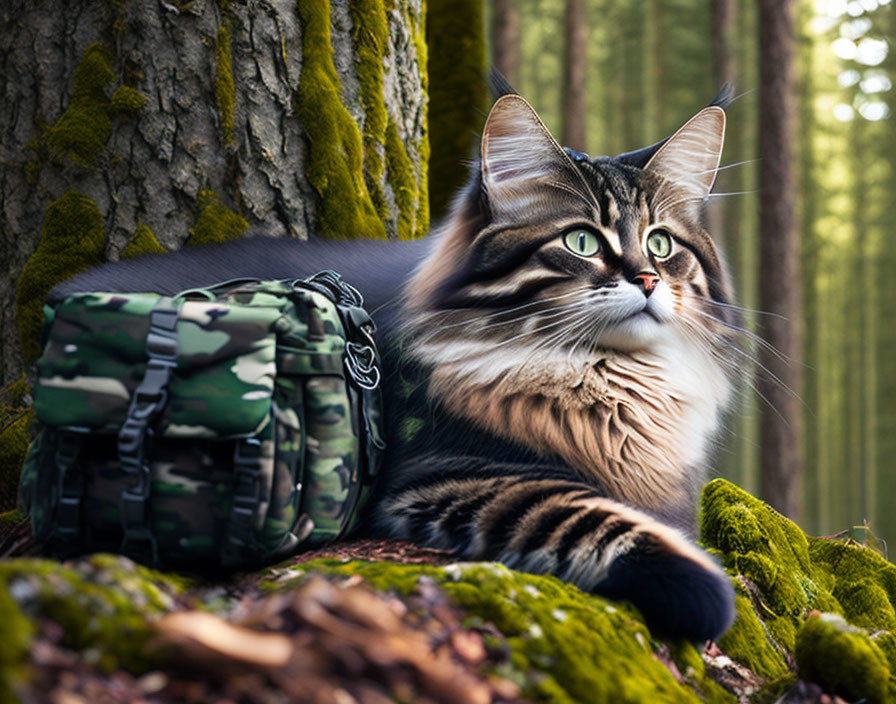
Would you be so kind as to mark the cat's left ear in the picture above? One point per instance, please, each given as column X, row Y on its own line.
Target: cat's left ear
column 518, row 154
column 690, row 158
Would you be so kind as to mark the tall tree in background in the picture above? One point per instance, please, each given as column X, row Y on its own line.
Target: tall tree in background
column 885, row 425
column 506, row 39
column 816, row 484
column 455, row 36
column 575, row 62
column 780, row 295
column 723, row 27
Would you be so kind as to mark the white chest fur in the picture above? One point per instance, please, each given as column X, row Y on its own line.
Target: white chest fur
column 638, row 423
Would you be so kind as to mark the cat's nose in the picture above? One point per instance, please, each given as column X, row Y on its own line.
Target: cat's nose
column 647, row 280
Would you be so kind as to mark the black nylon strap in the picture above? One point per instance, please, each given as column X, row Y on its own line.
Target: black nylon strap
column 70, row 490
column 148, row 401
column 240, row 539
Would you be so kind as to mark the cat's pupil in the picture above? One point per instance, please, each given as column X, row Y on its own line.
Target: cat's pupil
column 659, row 243
column 582, row 242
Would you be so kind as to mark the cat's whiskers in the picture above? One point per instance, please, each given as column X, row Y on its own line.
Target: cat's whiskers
column 699, row 337
column 753, row 337
column 741, row 309
column 750, row 358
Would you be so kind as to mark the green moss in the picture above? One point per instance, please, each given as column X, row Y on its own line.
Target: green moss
column 17, row 634
column 692, row 668
column 10, row 519
column 103, row 603
column 752, row 643
column 861, row 576
column 71, row 240
column 457, row 94
column 842, row 659
column 566, row 646
column 887, row 644
column 370, row 37
column 770, row 551
column 215, row 222
column 405, row 186
column 15, row 426
column 224, row 88
column 127, row 100
column 143, row 242
column 82, row 131
column 335, row 164
column 14, row 434
column 418, row 34
column 788, row 575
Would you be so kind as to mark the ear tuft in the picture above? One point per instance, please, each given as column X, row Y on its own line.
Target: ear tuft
column 690, row 158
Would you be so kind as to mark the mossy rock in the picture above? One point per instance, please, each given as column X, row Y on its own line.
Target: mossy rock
column 103, row 604
column 563, row 645
column 787, row 576
column 567, row 646
column 843, row 660
column 18, row 631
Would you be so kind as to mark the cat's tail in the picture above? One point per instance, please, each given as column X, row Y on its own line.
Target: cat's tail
column 562, row 527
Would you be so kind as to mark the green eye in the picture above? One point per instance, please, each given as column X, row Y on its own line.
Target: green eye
column 659, row 244
column 582, row 242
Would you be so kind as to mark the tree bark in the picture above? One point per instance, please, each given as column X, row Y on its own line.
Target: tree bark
column 575, row 62
column 506, row 39
column 299, row 117
column 780, row 295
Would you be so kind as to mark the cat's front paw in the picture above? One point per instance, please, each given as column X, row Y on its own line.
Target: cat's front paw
column 678, row 589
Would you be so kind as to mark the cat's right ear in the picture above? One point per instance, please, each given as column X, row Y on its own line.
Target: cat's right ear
column 689, row 159
column 518, row 151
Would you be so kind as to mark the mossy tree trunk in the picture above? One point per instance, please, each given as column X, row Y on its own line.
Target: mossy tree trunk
column 194, row 121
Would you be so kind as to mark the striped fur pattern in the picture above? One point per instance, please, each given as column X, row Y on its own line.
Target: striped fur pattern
column 573, row 319
column 546, row 523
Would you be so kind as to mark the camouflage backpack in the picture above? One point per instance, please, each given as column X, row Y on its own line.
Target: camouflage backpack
column 231, row 425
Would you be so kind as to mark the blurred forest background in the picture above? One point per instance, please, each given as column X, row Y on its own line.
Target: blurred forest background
column 648, row 66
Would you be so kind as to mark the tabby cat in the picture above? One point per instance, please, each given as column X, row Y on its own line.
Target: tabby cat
column 555, row 361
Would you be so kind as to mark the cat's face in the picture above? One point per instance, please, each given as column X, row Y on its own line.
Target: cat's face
column 565, row 252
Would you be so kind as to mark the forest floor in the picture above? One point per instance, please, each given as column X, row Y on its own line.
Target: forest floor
column 372, row 622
